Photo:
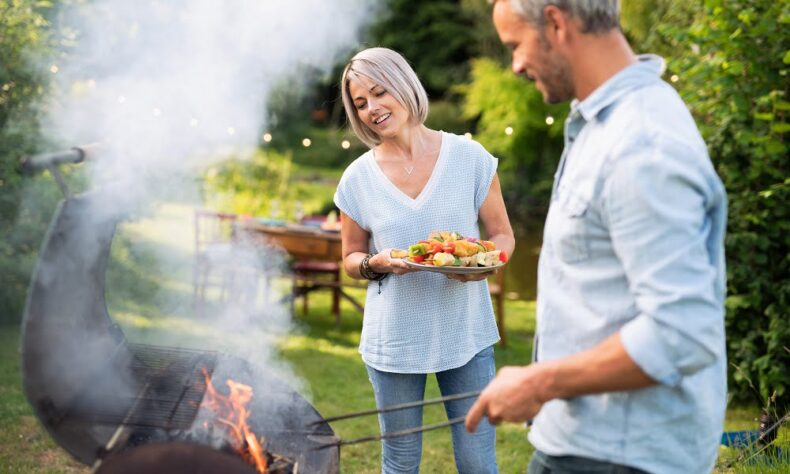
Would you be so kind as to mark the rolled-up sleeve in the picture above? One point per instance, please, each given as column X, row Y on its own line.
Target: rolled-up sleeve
column 659, row 208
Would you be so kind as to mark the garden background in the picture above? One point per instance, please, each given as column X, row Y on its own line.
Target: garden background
column 727, row 58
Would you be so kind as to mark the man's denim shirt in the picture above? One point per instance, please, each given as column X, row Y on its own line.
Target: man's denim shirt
column 634, row 242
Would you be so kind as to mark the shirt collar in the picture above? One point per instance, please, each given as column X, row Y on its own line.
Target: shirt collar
column 647, row 68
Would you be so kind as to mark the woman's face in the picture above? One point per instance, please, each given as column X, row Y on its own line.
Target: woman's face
column 377, row 108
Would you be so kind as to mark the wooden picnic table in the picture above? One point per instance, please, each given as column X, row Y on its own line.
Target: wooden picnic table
column 309, row 246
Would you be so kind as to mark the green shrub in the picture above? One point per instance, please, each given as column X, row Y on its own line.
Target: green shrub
column 498, row 99
column 24, row 33
column 448, row 116
column 436, row 37
column 268, row 184
column 732, row 70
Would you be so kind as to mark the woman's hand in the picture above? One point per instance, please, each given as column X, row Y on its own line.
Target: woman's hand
column 383, row 262
column 464, row 277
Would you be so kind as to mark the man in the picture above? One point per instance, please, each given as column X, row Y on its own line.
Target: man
column 630, row 369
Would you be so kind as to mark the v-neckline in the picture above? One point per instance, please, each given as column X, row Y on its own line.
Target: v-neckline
column 426, row 191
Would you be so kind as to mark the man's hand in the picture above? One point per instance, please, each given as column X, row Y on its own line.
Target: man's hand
column 516, row 394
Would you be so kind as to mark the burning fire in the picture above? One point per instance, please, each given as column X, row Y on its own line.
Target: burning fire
column 231, row 415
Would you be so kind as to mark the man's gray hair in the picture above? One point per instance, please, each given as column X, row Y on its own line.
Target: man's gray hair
column 596, row 16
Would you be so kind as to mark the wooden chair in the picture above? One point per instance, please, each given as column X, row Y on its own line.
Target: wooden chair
column 497, row 289
column 221, row 263
column 310, row 275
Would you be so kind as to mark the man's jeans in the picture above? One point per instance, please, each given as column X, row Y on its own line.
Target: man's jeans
column 542, row 463
column 474, row 452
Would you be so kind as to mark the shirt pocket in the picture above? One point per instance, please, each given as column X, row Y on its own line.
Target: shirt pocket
column 571, row 226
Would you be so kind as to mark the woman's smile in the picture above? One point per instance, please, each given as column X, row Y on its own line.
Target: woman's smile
column 382, row 120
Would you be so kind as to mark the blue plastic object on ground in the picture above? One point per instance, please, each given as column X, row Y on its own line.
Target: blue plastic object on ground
column 739, row 439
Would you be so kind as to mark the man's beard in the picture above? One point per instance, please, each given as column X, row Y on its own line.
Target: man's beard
column 556, row 76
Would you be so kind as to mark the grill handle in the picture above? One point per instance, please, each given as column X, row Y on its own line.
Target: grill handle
column 51, row 160
column 77, row 154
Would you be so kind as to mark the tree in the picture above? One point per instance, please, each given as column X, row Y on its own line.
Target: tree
column 436, row 37
column 24, row 34
column 732, row 70
column 515, row 124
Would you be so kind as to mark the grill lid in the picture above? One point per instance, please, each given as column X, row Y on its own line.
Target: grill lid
column 84, row 381
column 69, row 341
column 79, row 373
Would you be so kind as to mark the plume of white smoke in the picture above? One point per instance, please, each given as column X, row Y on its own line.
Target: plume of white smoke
column 165, row 86
column 161, row 83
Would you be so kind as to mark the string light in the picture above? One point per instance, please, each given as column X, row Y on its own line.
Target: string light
column 468, row 135
column 306, row 142
column 345, row 144
column 267, row 137
column 549, row 120
column 674, row 78
column 509, row 131
column 54, row 69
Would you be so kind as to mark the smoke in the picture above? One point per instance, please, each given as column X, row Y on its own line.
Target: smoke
column 168, row 87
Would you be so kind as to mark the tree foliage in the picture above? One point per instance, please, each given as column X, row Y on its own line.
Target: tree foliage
column 248, row 185
column 732, row 65
column 501, row 101
column 24, row 35
column 435, row 36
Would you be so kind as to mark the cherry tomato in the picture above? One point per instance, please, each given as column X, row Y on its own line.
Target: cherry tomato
column 503, row 257
column 418, row 258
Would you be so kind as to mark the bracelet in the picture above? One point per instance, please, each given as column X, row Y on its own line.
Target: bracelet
column 368, row 273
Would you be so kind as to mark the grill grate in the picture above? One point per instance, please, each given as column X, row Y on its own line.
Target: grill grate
column 166, row 390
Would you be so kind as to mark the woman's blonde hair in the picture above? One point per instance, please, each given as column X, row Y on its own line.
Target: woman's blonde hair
column 390, row 70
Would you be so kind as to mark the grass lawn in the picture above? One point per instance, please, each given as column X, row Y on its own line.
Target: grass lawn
column 149, row 294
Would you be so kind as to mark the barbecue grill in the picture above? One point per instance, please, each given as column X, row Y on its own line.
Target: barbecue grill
column 100, row 396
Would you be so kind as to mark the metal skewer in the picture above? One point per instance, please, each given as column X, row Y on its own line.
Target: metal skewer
column 401, row 406
column 394, row 434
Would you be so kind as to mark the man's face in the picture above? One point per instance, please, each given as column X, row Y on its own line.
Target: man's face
column 533, row 56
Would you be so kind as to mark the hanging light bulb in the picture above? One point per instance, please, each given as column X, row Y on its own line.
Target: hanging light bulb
column 307, row 142
column 549, row 120
column 267, row 137
column 345, row 144
column 509, row 131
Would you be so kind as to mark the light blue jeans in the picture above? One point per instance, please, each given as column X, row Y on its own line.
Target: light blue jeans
column 474, row 452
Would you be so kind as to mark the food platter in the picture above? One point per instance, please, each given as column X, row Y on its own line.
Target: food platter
column 451, row 269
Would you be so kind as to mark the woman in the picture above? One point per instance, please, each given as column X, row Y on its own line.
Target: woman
column 415, row 180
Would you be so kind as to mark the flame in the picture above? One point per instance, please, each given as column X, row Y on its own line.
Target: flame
column 231, row 415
